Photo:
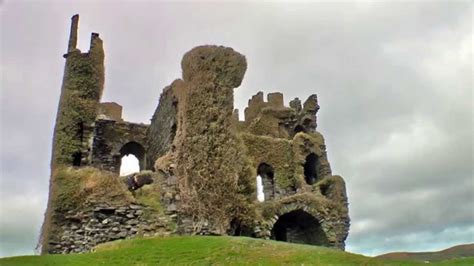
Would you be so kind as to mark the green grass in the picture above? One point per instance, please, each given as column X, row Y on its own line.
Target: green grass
column 210, row 250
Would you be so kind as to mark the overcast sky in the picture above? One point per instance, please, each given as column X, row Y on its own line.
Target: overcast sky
column 394, row 82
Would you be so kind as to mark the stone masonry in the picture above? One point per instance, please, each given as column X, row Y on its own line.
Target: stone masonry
column 205, row 162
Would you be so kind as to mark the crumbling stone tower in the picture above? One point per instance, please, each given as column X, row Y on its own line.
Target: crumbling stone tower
column 81, row 90
column 266, row 177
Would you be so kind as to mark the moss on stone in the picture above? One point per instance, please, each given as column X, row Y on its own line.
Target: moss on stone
column 309, row 200
column 267, row 123
column 333, row 188
column 74, row 188
column 276, row 152
column 80, row 94
column 211, row 163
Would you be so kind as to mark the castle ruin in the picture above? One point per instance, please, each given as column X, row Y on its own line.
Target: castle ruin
column 204, row 162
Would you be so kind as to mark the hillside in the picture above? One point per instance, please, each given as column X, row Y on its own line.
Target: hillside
column 209, row 250
column 450, row 253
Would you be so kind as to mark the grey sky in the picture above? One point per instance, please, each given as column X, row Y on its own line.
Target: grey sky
column 394, row 81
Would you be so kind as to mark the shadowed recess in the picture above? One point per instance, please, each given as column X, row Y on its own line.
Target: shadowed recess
column 299, row 227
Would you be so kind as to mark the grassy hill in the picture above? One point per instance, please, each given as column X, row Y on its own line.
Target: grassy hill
column 450, row 253
column 206, row 250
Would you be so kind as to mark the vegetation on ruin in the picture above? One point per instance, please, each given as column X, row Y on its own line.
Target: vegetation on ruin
column 211, row 164
column 74, row 188
column 212, row 250
column 82, row 88
column 267, row 123
column 276, row 152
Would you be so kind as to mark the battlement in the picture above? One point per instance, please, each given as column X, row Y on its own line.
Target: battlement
column 256, row 104
column 274, row 119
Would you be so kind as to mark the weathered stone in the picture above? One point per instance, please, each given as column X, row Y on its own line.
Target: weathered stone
column 132, row 222
column 227, row 66
column 135, row 207
column 171, row 208
column 204, row 159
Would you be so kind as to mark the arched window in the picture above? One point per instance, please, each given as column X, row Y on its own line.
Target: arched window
column 132, row 158
column 77, row 156
column 311, row 169
column 299, row 227
column 76, row 159
column 299, row 128
column 266, row 174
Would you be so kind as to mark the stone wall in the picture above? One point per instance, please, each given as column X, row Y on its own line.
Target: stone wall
column 110, row 111
column 205, row 160
column 110, row 137
column 83, row 230
column 162, row 130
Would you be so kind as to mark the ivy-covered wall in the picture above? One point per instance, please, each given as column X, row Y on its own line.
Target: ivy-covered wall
column 82, row 88
column 214, row 174
column 204, row 161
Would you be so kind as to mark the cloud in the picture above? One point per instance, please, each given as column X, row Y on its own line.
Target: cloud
column 393, row 80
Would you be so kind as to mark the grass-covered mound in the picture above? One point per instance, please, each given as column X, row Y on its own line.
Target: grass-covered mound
column 76, row 187
column 202, row 250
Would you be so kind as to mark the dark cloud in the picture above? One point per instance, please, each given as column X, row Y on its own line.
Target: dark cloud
column 393, row 80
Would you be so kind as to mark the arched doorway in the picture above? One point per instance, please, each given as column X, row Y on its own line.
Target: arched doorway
column 129, row 164
column 300, row 227
column 130, row 154
column 266, row 173
column 311, row 169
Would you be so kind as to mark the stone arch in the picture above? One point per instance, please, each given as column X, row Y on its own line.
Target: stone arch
column 135, row 149
column 266, row 172
column 299, row 226
column 311, row 168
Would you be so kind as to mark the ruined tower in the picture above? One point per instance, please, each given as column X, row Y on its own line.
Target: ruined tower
column 267, row 176
column 82, row 87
